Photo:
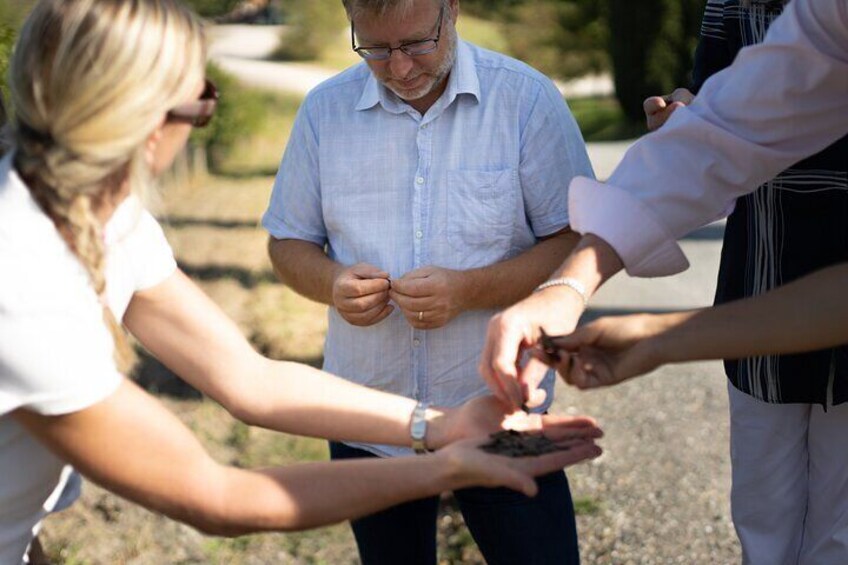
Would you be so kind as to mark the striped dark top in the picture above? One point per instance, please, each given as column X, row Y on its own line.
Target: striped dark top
column 793, row 225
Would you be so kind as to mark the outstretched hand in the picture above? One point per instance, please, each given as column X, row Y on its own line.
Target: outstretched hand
column 486, row 415
column 517, row 329
column 474, row 466
column 607, row 351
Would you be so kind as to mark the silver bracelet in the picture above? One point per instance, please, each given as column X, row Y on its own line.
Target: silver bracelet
column 571, row 283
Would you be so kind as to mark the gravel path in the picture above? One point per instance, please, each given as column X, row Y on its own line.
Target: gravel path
column 659, row 494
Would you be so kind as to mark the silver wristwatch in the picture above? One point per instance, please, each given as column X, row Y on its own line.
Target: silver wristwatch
column 418, row 427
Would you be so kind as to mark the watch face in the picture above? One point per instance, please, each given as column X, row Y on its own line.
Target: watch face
column 418, row 427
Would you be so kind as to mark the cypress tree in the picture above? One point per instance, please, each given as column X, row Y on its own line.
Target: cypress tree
column 651, row 45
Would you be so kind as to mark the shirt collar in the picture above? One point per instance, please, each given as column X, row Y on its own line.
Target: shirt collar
column 463, row 79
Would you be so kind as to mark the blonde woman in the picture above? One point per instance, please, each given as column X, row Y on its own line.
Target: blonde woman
column 105, row 93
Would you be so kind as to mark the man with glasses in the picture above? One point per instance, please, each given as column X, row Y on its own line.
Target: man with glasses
column 421, row 191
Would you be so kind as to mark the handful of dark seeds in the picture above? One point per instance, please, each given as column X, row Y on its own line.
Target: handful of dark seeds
column 520, row 444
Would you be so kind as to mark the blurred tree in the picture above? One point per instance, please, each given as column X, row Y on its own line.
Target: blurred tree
column 311, row 26
column 489, row 8
column 7, row 39
column 562, row 38
column 651, row 47
column 212, row 8
column 239, row 114
column 12, row 13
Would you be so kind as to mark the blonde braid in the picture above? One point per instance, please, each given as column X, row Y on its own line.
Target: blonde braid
column 72, row 212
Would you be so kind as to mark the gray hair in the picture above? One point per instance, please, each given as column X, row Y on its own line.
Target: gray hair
column 356, row 8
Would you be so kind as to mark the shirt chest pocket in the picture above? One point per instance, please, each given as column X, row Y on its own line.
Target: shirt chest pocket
column 481, row 207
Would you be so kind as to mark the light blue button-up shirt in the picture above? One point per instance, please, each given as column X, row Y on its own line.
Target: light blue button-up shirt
column 474, row 181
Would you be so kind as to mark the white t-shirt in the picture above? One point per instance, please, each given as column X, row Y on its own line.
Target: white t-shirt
column 56, row 354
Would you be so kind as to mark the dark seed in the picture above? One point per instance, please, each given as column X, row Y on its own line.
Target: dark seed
column 520, row 444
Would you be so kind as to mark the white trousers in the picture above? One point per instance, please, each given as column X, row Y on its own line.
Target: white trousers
column 789, row 498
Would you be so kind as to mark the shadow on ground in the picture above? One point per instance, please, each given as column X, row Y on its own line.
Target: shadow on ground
column 247, row 278
column 154, row 377
column 592, row 314
column 189, row 222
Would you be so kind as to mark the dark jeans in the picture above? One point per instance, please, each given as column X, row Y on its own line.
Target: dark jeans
column 509, row 528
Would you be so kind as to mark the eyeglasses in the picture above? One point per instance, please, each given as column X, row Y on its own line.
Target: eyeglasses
column 198, row 113
column 413, row 48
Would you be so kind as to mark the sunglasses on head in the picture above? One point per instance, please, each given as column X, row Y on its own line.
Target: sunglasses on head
column 198, row 113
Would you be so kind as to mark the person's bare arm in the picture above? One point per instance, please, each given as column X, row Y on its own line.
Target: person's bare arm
column 359, row 292
column 556, row 309
column 804, row 315
column 441, row 294
column 188, row 332
column 130, row 444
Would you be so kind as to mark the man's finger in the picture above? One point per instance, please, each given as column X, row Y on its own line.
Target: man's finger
column 414, row 288
column 383, row 314
column 363, row 304
column 413, row 304
column 356, row 288
column 366, row 317
column 653, row 105
column 366, row 271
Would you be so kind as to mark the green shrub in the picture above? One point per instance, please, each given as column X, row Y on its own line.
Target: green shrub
column 7, row 40
column 212, row 8
column 11, row 17
column 564, row 39
column 312, row 25
column 239, row 114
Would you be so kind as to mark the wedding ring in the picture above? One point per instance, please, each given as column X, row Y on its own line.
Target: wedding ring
column 420, row 316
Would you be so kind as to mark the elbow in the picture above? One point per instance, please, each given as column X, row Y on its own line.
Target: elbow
column 222, row 529
column 238, row 517
column 246, row 407
column 243, row 398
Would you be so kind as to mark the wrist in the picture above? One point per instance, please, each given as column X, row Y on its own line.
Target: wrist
column 464, row 293
column 423, row 436
column 560, row 308
column 335, row 273
column 452, row 472
column 669, row 338
column 439, row 427
column 570, row 283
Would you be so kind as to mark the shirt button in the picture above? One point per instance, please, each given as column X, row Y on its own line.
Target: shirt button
column 424, row 126
column 419, row 234
column 416, row 342
column 419, row 180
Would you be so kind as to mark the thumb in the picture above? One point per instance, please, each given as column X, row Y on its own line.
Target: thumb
column 367, row 271
column 581, row 336
column 536, row 397
column 653, row 105
column 419, row 273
